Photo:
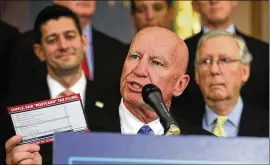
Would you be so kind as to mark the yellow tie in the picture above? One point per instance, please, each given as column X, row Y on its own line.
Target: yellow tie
column 218, row 130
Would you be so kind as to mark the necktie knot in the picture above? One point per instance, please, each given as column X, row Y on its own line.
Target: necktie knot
column 221, row 120
column 146, row 130
column 219, row 130
column 67, row 92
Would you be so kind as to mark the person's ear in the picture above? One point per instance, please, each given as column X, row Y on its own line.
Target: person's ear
column 39, row 52
column 196, row 76
column 84, row 43
column 246, row 73
column 181, row 85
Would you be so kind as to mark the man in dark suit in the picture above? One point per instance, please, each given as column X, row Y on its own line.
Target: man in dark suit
column 218, row 15
column 155, row 56
column 103, row 61
column 8, row 36
column 222, row 67
column 61, row 45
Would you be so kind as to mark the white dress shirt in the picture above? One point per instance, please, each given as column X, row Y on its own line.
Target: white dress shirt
column 230, row 29
column 131, row 125
column 56, row 89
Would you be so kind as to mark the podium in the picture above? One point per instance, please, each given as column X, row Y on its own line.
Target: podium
column 111, row 148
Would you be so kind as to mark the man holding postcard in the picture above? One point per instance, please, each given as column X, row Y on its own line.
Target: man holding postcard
column 59, row 42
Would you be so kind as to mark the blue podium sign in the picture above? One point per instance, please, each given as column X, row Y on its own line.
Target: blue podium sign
column 108, row 148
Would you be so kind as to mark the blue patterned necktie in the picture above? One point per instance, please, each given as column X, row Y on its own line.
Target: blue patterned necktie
column 146, row 130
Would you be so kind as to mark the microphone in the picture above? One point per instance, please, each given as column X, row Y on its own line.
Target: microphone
column 152, row 96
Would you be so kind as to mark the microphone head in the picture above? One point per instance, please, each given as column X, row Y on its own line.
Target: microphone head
column 147, row 90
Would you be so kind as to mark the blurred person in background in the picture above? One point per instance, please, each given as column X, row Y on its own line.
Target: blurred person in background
column 8, row 36
column 218, row 15
column 222, row 67
column 152, row 13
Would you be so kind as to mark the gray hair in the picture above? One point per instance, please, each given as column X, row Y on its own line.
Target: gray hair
column 245, row 56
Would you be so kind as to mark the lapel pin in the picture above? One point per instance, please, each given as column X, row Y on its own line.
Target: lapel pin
column 99, row 104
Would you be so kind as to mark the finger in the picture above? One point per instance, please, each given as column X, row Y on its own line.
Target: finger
column 27, row 162
column 16, row 157
column 12, row 142
column 38, row 158
column 27, row 148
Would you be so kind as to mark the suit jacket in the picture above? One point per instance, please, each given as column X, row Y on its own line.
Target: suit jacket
column 104, row 119
column 3, row 118
column 39, row 92
column 8, row 36
column 254, row 122
column 26, row 69
column 256, row 89
column 107, row 118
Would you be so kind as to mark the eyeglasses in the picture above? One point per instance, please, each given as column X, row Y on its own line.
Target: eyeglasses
column 222, row 62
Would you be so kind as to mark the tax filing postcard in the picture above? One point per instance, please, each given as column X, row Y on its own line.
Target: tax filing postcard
column 37, row 122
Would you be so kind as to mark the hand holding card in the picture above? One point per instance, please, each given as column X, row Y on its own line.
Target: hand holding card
column 37, row 122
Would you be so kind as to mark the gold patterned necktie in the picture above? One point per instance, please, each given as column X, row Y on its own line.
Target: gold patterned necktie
column 219, row 130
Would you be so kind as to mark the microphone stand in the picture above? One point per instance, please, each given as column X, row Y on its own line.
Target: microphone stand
column 173, row 130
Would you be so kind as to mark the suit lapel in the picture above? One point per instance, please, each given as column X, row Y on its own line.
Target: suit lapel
column 110, row 115
column 89, row 104
column 44, row 92
column 252, row 122
column 39, row 91
column 100, row 110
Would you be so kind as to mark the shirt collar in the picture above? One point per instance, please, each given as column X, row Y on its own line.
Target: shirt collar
column 131, row 125
column 56, row 88
column 230, row 29
column 234, row 117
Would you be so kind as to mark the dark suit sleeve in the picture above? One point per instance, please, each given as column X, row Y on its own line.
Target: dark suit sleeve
column 25, row 67
column 8, row 35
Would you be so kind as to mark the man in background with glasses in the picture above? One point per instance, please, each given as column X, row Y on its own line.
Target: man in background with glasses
column 222, row 67
column 219, row 15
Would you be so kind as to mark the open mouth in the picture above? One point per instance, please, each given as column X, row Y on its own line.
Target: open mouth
column 135, row 87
